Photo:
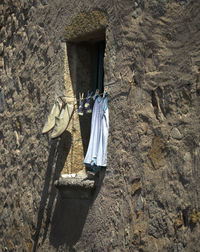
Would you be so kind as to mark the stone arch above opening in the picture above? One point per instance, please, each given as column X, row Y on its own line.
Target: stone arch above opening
column 87, row 26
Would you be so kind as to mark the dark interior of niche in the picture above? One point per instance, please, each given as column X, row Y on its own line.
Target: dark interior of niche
column 85, row 56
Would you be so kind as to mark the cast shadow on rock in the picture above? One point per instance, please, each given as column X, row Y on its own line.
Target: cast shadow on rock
column 59, row 148
column 70, row 215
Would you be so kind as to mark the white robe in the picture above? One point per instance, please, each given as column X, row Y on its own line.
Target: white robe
column 97, row 148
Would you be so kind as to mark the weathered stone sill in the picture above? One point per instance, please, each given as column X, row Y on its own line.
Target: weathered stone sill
column 75, row 188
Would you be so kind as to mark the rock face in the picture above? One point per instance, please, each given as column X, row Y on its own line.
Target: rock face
column 148, row 198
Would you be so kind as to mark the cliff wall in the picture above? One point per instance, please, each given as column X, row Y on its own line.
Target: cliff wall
column 148, row 197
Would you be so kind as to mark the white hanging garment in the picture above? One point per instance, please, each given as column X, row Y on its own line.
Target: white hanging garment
column 97, row 149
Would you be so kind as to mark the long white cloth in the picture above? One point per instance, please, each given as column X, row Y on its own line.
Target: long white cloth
column 97, row 148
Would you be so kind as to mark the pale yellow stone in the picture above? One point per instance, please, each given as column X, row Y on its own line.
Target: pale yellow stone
column 1, row 62
column 75, row 157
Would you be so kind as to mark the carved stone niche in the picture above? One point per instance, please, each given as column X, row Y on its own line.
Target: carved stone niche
column 85, row 29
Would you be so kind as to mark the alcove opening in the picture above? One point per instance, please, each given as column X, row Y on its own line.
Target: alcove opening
column 88, row 77
column 86, row 66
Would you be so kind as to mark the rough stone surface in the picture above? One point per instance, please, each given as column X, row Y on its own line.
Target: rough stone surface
column 145, row 198
column 175, row 133
column 75, row 182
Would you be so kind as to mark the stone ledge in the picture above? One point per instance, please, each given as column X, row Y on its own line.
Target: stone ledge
column 75, row 188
